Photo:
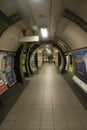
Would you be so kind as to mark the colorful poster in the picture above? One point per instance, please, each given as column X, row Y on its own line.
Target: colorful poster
column 1, row 79
column 10, row 75
column 3, row 87
column 81, row 65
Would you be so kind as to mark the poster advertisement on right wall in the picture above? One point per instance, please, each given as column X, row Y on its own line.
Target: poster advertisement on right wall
column 81, row 64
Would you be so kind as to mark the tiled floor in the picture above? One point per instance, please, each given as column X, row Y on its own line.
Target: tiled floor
column 47, row 103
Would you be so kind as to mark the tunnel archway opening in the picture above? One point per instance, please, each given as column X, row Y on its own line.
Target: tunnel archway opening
column 53, row 49
column 50, row 52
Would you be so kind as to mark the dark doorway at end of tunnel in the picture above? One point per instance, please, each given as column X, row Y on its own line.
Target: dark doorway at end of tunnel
column 9, row 98
column 81, row 95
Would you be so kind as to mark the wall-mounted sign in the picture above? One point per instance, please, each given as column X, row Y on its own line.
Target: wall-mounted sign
column 29, row 39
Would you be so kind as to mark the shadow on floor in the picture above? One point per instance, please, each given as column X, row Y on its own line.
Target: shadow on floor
column 76, row 89
column 9, row 98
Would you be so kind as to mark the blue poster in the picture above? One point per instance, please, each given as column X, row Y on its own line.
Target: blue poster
column 9, row 64
column 81, row 64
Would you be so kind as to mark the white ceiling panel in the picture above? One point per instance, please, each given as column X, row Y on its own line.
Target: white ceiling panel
column 41, row 11
column 46, row 13
column 56, row 13
column 24, row 9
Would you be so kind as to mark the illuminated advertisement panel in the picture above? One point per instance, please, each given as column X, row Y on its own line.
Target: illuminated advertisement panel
column 9, row 64
column 81, row 64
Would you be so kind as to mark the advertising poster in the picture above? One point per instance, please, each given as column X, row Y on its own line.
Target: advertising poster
column 9, row 64
column 81, row 65
column 3, row 87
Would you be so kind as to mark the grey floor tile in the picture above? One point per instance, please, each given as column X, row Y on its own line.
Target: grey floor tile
column 17, row 129
column 23, row 118
column 59, row 117
column 5, row 129
column 58, row 111
column 82, row 117
column 81, row 111
column 57, row 106
column 20, row 124
column 47, row 124
column 77, row 129
column 47, row 106
column 35, row 112
column 11, row 117
column 75, row 125
column 47, row 117
column 34, row 117
column 84, row 124
column 47, row 129
column 72, row 117
column 33, row 124
column 70, row 111
column 47, row 112
column 62, row 129
column 6, row 124
column 61, row 125
column 32, row 129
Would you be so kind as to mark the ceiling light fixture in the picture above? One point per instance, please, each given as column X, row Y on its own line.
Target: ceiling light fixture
column 47, row 45
column 44, row 32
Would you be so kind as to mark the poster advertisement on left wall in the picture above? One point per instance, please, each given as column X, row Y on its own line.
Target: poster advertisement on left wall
column 9, row 65
column 3, row 87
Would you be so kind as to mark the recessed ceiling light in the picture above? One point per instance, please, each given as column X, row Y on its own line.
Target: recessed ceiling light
column 44, row 32
column 47, row 45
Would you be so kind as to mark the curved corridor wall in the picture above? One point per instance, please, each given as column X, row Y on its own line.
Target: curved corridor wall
column 9, row 39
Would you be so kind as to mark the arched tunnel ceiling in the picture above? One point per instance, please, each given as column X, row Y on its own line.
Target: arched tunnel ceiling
column 69, row 31
column 47, row 13
column 72, row 34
